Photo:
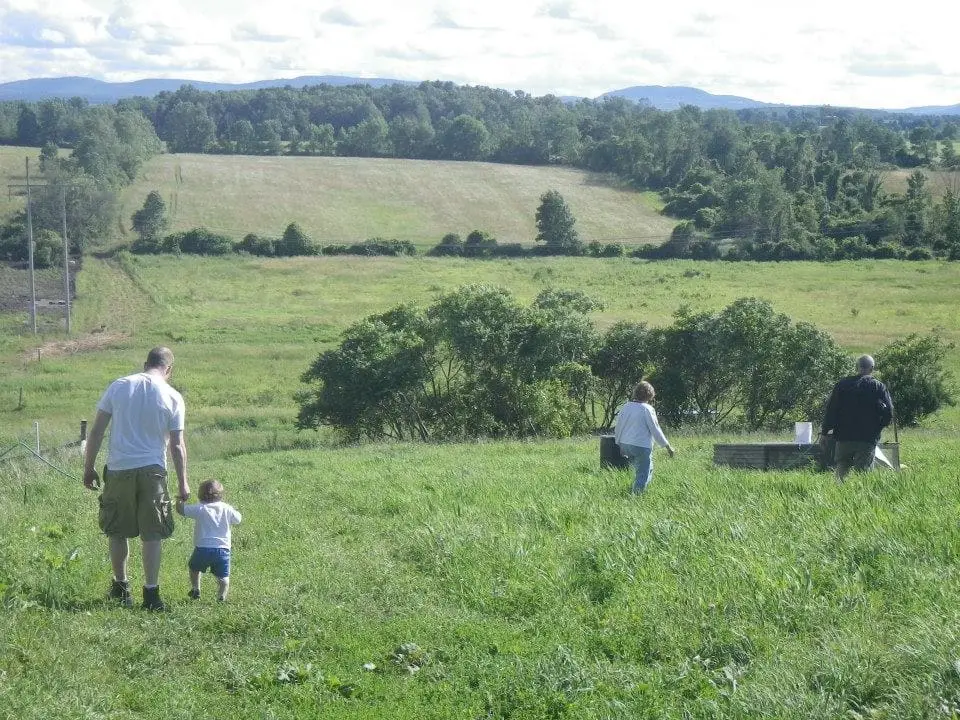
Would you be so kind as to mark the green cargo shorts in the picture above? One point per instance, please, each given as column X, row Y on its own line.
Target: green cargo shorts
column 136, row 502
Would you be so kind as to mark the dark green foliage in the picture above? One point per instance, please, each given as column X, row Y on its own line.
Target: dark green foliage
column 451, row 245
column 555, row 224
column 374, row 383
column 913, row 371
column 479, row 244
column 466, row 138
column 625, row 354
column 257, row 245
column 294, row 242
column 335, row 249
column 150, row 222
column 475, row 363
column 382, row 246
column 13, row 239
column 511, row 250
column 198, row 241
column 744, row 365
column 48, row 249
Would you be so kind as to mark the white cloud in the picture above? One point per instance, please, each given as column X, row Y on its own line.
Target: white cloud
column 877, row 55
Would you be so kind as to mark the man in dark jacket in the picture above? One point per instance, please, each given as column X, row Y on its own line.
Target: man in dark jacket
column 858, row 410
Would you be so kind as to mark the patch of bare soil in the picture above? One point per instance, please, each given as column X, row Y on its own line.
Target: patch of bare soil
column 86, row 343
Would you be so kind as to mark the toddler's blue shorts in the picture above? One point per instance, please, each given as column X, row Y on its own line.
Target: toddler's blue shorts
column 216, row 560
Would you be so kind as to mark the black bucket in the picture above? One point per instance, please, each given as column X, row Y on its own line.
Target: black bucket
column 610, row 456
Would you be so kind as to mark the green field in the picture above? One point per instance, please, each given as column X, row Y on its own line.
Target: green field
column 348, row 200
column 13, row 172
column 938, row 181
column 229, row 319
column 482, row 580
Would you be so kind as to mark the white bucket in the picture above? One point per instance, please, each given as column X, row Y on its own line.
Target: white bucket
column 803, row 433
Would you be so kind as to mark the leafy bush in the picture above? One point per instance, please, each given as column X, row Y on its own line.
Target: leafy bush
column 912, row 369
column 47, row 249
column 337, row 249
column 625, row 354
column 745, row 365
column 198, row 241
column 380, row 246
column 919, row 253
column 508, row 250
column 475, row 363
column 888, row 251
column 295, row 242
column 257, row 245
column 479, row 244
column 450, row 246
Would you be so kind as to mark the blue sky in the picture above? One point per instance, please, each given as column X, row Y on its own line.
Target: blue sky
column 865, row 54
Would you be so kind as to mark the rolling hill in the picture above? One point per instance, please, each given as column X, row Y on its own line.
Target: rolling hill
column 99, row 91
column 347, row 200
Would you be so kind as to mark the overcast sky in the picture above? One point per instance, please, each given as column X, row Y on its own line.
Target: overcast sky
column 843, row 52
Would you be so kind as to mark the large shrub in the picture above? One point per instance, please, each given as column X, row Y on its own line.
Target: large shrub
column 475, row 363
column 198, row 241
column 294, row 242
column 912, row 369
column 745, row 365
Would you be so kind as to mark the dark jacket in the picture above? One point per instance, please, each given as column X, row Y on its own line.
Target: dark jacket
column 858, row 409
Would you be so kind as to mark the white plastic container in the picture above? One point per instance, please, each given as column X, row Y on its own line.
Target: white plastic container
column 803, row 433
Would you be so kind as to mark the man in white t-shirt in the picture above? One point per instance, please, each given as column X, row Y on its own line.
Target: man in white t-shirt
column 146, row 414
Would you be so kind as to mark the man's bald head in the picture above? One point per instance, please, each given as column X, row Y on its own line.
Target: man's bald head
column 159, row 358
column 865, row 364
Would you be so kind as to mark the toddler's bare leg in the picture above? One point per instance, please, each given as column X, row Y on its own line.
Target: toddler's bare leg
column 223, row 586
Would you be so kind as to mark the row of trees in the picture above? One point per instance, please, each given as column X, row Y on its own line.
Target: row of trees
column 477, row 363
column 109, row 146
column 779, row 179
column 554, row 221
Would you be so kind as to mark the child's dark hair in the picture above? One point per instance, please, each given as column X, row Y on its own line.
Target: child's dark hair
column 211, row 491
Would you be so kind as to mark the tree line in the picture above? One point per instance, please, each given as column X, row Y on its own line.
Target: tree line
column 107, row 148
column 478, row 363
column 766, row 184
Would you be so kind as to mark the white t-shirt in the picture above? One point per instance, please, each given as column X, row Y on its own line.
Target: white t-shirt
column 213, row 521
column 637, row 424
column 144, row 410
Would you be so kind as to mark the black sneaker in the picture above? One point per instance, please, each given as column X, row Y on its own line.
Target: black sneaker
column 152, row 601
column 194, row 594
column 120, row 593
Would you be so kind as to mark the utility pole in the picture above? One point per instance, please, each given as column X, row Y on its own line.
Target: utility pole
column 33, row 280
column 66, row 259
column 26, row 189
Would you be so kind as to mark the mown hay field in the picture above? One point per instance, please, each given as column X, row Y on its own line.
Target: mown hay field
column 348, row 200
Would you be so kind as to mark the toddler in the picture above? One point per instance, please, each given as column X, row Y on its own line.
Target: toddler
column 211, row 537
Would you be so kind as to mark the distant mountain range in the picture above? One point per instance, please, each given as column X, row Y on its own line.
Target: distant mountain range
column 672, row 97
column 98, row 91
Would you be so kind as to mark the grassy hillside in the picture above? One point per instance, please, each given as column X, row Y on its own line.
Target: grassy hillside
column 346, row 200
column 246, row 328
column 494, row 580
column 938, row 181
column 507, row 580
column 12, row 171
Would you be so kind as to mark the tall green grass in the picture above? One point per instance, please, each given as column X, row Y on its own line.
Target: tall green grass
column 484, row 580
column 501, row 580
